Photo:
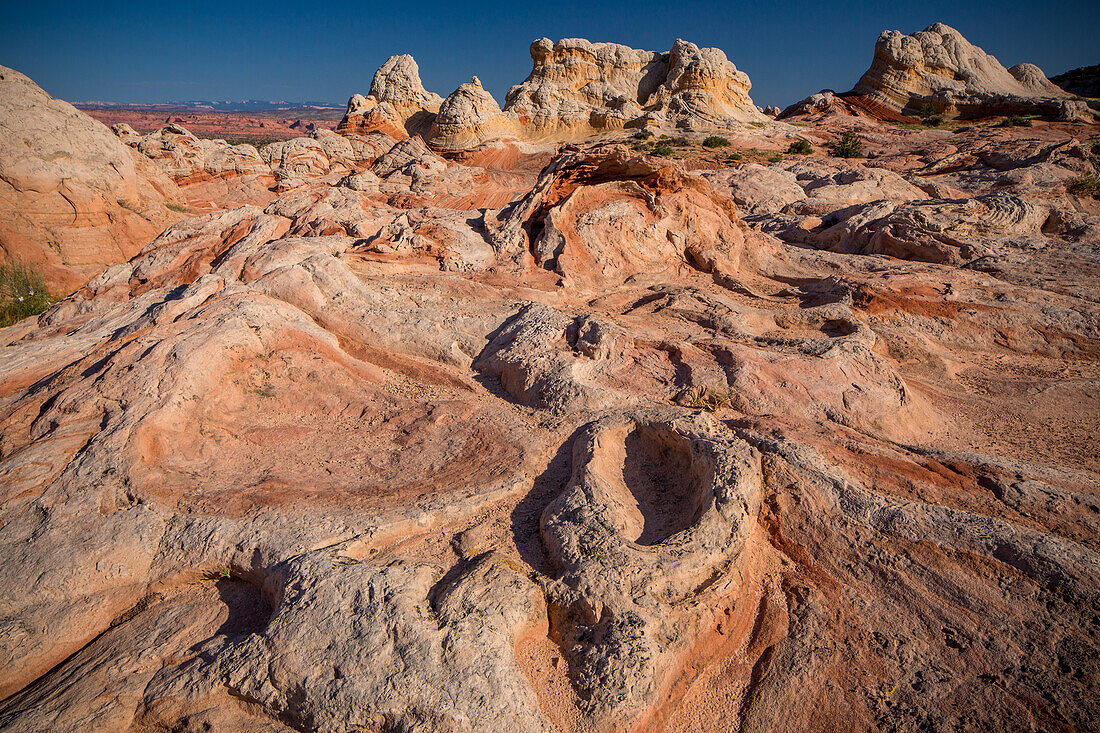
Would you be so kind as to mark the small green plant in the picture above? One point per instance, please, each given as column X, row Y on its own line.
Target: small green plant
column 800, row 147
column 1014, row 121
column 222, row 572
column 665, row 137
column 22, row 291
column 710, row 399
column 734, row 156
column 848, row 146
column 716, row 141
column 179, row 209
column 126, row 204
column 927, row 110
column 775, row 158
column 1085, row 185
column 681, row 141
column 663, row 150
column 933, row 121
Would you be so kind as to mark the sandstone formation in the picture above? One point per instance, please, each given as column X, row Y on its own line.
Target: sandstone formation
column 397, row 103
column 937, row 69
column 571, row 438
column 576, row 89
column 211, row 173
column 72, row 197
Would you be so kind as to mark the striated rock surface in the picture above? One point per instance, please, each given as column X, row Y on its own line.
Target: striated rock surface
column 72, row 197
column 587, row 441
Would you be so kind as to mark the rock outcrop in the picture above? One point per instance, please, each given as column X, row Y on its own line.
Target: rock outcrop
column 937, row 71
column 189, row 159
column 213, row 172
column 576, row 89
column 73, row 199
column 1084, row 82
column 584, row 441
column 397, row 103
column 938, row 66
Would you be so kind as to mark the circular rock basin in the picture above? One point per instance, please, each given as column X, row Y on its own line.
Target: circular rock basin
column 654, row 483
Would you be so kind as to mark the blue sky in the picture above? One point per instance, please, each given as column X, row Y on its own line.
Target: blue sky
column 149, row 52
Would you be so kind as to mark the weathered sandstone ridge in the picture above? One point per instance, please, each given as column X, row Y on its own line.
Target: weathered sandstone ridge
column 938, row 69
column 72, row 198
column 581, row 441
column 576, row 89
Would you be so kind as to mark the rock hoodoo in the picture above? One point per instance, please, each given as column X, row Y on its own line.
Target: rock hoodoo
column 576, row 89
column 397, row 102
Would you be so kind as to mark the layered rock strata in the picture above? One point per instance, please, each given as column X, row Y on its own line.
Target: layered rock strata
column 73, row 199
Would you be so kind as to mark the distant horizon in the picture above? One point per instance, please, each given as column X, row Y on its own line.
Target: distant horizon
column 131, row 53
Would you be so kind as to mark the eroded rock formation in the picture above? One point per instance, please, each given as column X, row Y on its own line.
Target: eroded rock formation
column 72, row 197
column 580, row 441
column 937, row 71
column 397, row 103
column 576, row 89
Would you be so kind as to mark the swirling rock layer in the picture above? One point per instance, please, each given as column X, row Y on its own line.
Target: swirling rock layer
column 584, row 441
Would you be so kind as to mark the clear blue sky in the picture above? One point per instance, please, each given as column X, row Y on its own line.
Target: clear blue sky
column 152, row 51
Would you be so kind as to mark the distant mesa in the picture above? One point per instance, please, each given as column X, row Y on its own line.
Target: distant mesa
column 937, row 70
column 576, row 89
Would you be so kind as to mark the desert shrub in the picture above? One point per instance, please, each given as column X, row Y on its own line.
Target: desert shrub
column 1014, row 121
column 848, row 146
column 681, row 141
column 734, row 156
column 716, row 141
column 663, row 150
column 775, row 158
column 642, row 135
column 933, row 121
column 665, row 137
column 1085, row 185
column 800, row 147
column 927, row 110
column 707, row 398
column 22, row 291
